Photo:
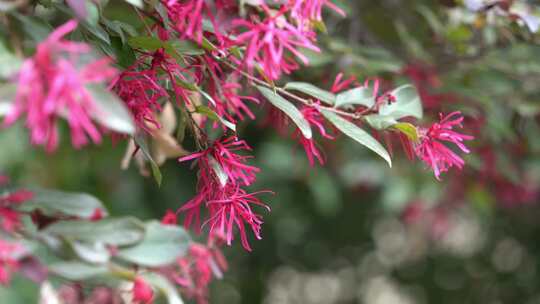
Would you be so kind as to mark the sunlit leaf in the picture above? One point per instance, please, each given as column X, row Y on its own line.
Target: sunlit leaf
column 353, row 131
column 54, row 203
column 407, row 104
column 311, row 90
column 117, row 231
column 111, row 111
column 162, row 245
column 214, row 116
column 76, row 271
column 357, row 96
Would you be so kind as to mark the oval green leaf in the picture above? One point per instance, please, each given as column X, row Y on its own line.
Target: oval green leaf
column 289, row 109
column 162, row 245
column 356, row 133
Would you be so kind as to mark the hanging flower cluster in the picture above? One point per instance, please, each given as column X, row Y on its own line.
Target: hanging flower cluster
column 53, row 84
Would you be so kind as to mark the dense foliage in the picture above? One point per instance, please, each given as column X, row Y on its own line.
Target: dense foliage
column 209, row 100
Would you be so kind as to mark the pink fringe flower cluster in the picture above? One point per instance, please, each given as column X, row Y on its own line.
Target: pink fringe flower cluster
column 52, row 84
column 433, row 152
column 222, row 174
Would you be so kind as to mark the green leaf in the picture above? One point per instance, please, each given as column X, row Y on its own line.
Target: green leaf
column 184, row 47
column 408, row 129
column 432, row 19
column 149, row 43
column 7, row 95
column 143, row 146
column 9, row 63
column 359, row 135
column 288, row 108
column 162, row 245
column 96, row 253
column 218, row 170
column 111, row 111
column 54, row 203
column 357, row 96
column 215, row 117
column 407, row 104
column 380, row 122
column 137, row 3
column 311, row 90
column 164, row 286
column 34, row 27
column 77, row 271
column 117, row 231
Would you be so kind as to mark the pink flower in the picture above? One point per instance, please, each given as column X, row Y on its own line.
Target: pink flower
column 305, row 11
column 187, row 17
column 341, row 84
column 229, row 104
column 222, row 172
column 142, row 291
column 233, row 207
column 315, row 119
column 198, row 268
column 223, row 153
column 10, row 218
column 169, row 218
column 51, row 85
column 9, row 253
column 141, row 92
column 436, row 155
column 267, row 42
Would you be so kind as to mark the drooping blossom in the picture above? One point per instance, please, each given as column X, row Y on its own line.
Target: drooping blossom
column 187, row 18
column 234, row 207
column 271, row 42
column 9, row 254
column 197, row 269
column 433, row 152
column 306, row 11
column 223, row 153
column 142, row 291
column 53, row 84
column 315, row 120
column 222, row 172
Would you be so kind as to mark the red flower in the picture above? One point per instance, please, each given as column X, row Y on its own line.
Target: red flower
column 169, row 218
column 142, row 291
column 433, row 152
